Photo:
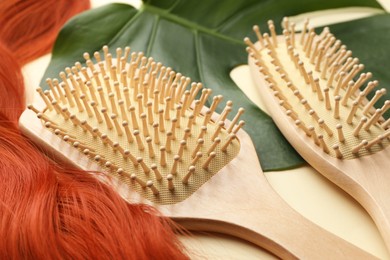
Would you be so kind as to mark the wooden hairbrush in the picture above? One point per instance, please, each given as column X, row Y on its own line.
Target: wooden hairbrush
column 311, row 85
column 158, row 144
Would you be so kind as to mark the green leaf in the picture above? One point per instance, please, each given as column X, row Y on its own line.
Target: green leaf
column 202, row 40
column 369, row 40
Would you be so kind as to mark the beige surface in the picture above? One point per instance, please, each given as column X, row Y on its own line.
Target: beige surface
column 304, row 189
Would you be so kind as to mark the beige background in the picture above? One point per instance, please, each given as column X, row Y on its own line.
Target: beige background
column 303, row 189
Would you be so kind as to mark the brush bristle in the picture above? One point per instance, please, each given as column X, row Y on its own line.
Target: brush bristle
column 136, row 119
column 316, row 81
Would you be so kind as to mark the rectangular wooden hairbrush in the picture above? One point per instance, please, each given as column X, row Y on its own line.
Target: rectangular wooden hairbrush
column 133, row 119
column 311, row 85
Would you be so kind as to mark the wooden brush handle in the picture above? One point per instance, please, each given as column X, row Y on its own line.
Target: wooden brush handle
column 280, row 230
column 367, row 180
column 239, row 201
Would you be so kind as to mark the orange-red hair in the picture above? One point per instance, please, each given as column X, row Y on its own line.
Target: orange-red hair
column 48, row 211
column 29, row 28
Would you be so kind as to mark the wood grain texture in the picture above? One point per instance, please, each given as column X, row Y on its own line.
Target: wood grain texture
column 236, row 201
column 364, row 178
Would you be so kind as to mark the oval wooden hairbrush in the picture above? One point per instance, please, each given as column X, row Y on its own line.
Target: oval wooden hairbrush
column 311, row 85
column 158, row 144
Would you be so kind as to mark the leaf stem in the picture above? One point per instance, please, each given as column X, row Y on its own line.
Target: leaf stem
column 165, row 14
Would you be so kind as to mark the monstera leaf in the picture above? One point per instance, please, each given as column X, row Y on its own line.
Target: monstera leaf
column 200, row 39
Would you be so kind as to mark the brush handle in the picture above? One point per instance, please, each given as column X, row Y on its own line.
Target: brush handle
column 367, row 179
column 250, row 209
column 283, row 232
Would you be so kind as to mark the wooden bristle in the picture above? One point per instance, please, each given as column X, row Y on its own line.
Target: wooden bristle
column 190, row 172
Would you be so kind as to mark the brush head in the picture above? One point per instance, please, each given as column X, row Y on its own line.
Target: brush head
column 137, row 120
column 316, row 81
